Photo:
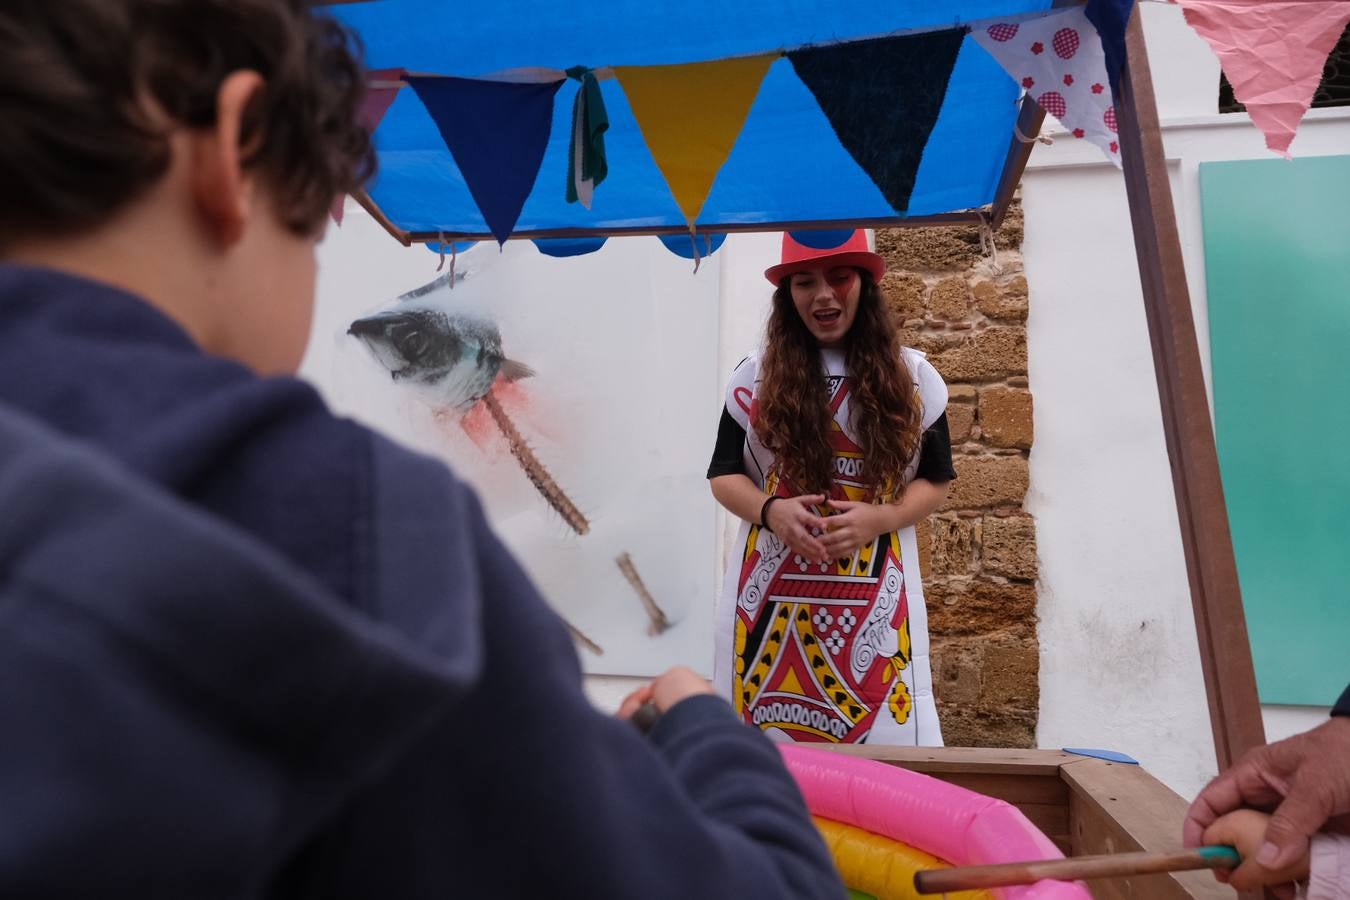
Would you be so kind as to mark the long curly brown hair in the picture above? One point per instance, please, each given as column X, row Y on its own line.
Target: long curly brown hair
column 793, row 402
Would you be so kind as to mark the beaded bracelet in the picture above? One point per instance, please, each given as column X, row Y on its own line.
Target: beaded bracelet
column 764, row 514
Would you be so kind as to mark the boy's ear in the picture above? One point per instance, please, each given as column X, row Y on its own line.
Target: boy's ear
column 223, row 191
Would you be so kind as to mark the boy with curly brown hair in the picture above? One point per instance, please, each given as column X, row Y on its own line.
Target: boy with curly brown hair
column 247, row 648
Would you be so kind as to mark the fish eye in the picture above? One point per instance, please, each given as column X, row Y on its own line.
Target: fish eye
column 413, row 344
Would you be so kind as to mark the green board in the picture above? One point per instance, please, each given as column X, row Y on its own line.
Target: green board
column 1277, row 263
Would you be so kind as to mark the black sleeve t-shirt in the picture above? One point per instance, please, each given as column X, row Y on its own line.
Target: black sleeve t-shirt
column 935, row 451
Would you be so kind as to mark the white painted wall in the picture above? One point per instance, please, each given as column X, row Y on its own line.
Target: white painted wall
column 1119, row 660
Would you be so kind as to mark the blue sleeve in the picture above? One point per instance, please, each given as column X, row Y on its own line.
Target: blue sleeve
column 1342, row 707
column 181, row 709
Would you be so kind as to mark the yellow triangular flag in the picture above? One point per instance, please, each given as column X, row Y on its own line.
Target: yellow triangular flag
column 690, row 116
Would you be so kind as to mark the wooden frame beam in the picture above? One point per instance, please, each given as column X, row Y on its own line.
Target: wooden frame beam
column 1225, row 654
column 1116, row 808
column 970, row 217
column 369, row 205
column 1029, row 120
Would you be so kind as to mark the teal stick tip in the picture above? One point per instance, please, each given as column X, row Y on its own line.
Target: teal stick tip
column 1221, row 852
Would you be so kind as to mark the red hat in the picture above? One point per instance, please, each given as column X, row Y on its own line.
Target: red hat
column 800, row 255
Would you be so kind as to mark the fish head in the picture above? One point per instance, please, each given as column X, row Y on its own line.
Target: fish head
column 419, row 345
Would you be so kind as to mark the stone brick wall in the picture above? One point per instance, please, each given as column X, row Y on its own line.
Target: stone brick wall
column 978, row 553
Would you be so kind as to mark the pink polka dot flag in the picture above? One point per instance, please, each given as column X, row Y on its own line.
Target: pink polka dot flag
column 1059, row 62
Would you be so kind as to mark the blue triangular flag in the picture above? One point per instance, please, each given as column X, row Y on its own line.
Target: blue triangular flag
column 822, row 239
column 883, row 97
column 1110, row 18
column 497, row 132
column 564, row 247
column 689, row 246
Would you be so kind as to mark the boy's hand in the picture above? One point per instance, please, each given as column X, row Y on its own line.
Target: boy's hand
column 1245, row 829
column 666, row 690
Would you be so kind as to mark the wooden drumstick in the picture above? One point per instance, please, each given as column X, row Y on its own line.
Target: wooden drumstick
column 1076, row 868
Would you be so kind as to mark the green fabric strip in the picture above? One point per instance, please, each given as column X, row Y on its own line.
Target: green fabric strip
column 590, row 121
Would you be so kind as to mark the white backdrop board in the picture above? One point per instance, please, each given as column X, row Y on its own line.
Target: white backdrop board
column 621, row 410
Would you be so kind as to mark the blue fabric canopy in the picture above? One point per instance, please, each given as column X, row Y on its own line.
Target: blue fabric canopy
column 787, row 166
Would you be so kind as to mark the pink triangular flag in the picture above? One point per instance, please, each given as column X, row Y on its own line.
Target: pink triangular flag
column 382, row 87
column 1273, row 52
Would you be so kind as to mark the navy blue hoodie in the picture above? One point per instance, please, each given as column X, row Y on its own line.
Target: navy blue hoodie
column 249, row 649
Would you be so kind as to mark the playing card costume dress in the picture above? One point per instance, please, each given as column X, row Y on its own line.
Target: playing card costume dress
column 833, row 652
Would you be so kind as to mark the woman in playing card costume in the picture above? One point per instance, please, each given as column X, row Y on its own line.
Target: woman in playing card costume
column 832, row 445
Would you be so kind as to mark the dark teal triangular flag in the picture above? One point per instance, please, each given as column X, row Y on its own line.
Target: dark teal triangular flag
column 497, row 132
column 586, row 163
column 883, row 97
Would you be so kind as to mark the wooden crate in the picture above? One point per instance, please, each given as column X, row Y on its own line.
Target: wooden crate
column 1085, row 805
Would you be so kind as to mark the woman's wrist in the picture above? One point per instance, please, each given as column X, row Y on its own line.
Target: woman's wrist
column 896, row 517
column 921, row 499
column 764, row 514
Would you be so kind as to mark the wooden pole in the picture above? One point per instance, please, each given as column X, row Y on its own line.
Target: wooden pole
column 1077, row 868
column 1225, row 654
column 1030, row 117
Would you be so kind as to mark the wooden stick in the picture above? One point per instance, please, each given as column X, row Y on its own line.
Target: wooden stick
column 1109, row 865
column 659, row 622
column 580, row 637
column 539, row 476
